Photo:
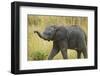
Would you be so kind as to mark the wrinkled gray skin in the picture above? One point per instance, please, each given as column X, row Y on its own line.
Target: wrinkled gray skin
column 69, row 37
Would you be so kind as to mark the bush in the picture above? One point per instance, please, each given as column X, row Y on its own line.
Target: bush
column 39, row 55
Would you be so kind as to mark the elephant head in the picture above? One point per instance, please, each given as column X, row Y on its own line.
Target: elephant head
column 48, row 33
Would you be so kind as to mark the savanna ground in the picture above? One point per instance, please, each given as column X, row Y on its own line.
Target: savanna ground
column 39, row 49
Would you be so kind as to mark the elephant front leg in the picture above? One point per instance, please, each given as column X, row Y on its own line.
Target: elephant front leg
column 78, row 54
column 64, row 53
column 53, row 53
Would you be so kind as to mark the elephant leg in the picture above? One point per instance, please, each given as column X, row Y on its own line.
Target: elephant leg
column 85, row 53
column 64, row 53
column 53, row 53
column 78, row 54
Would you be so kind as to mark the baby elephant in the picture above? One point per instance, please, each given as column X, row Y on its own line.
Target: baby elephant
column 65, row 37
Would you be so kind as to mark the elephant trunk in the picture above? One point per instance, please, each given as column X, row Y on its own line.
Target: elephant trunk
column 40, row 35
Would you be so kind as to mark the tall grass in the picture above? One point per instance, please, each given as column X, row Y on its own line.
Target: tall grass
column 42, row 47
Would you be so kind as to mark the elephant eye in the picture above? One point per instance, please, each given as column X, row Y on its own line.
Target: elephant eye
column 47, row 33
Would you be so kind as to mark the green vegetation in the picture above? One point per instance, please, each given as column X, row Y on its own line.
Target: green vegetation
column 39, row 55
column 39, row 49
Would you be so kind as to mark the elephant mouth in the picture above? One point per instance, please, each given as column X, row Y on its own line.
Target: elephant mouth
column 47, row 39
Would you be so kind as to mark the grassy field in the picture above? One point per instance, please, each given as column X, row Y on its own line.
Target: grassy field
column 39, row 49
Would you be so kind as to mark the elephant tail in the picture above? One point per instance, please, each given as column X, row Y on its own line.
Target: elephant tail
column 85, row 38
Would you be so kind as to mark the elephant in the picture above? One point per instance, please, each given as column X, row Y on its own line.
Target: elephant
column 65, row 37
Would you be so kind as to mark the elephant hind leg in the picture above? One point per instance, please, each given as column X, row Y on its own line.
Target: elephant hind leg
column 85, row 53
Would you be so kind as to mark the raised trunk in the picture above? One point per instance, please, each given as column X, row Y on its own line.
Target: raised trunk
column 40, row 35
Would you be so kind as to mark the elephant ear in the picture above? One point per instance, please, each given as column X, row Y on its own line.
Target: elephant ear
column 61, row 34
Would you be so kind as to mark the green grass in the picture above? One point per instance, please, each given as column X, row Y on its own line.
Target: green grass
column 39, row 55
